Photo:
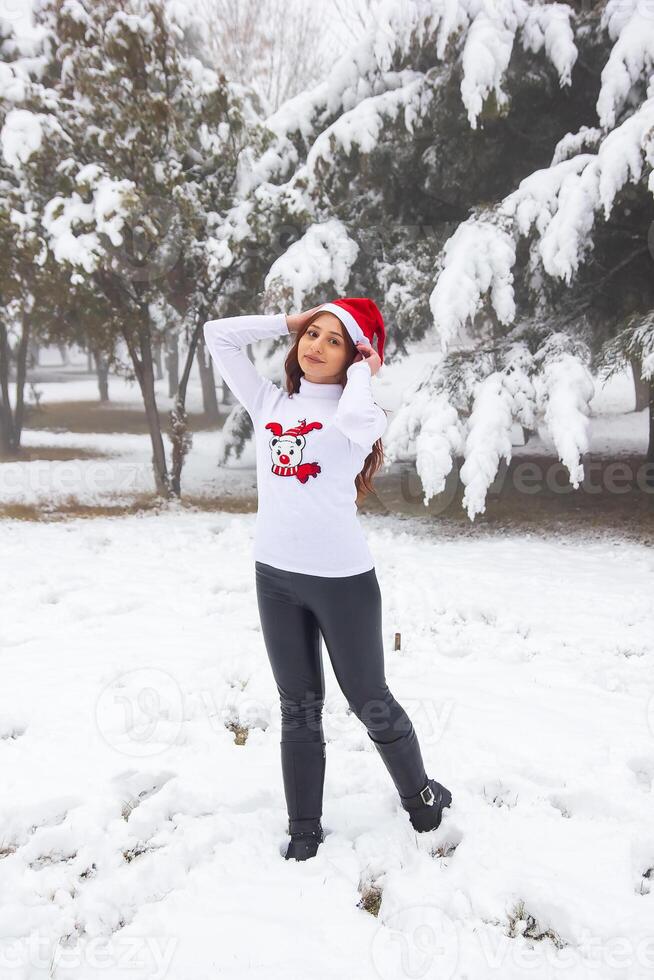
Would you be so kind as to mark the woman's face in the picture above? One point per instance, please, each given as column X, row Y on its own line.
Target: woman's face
column 322, row 351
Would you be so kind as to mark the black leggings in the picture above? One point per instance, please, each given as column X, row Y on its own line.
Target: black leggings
column 295, row 609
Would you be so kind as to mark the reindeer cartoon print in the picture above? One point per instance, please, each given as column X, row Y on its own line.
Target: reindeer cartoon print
column 286, row 448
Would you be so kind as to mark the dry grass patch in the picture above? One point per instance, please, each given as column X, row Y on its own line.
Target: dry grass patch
column 104, row 417
column 27, row 454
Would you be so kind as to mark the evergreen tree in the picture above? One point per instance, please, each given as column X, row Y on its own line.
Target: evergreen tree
column 485, row 175
column 27, row 272
column 144, row 140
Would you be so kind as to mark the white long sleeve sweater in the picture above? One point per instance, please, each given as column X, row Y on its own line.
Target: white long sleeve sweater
column 309, row 448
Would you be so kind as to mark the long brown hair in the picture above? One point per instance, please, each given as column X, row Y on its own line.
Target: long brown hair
column 375, row 458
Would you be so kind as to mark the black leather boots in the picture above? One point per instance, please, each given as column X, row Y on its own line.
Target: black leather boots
column 425, row 809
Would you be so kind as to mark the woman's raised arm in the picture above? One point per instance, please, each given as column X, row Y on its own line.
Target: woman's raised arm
column 358, row 416
column 226, row 338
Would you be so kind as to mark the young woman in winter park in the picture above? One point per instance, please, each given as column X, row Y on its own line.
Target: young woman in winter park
column 317, row 443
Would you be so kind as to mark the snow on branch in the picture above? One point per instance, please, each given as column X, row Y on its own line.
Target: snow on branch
column 308, row 113
column 499, row 398
column 485, row 58
column 573, row 144
column 484, row 32
column 365, row 69
column 548, row 26
column 620, row 158
column 427, row 418
column 438, row 441
column 488, row 440
column 75, row 225
column 552, row 386
column 489, row 45
column 13, row 86
column 122, row 21
column 561, row 203
column 363, row 125
column 564, row 388
column 635, row 342
column 75, row 10
column 476, row 259
column 324, row 254
column 23, row 134
column 252, row 219
column 630, row 24
column 362, row 72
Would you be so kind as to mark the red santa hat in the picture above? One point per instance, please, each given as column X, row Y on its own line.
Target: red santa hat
column 361, row 318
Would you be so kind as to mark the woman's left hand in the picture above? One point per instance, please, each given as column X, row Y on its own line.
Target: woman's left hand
column 369, row 354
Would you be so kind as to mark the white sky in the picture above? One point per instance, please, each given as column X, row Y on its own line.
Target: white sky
column 19, row 11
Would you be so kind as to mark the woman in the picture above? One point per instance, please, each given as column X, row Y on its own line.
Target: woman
column 317, row 443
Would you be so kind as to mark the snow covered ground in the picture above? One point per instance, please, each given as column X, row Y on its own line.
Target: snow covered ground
column 139, row 840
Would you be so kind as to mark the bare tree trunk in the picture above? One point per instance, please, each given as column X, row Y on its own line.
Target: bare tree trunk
column 6, row 420
column 63, row 353
column 156, row 347
column 181, row 436
column 11, row 420
column 33, row 355
column 21, row 374
column 172, row 363
column 650, row 448
column 144, row 370
column 641, row 386
column 162, row 479
column 102, row 371
column 208, row 383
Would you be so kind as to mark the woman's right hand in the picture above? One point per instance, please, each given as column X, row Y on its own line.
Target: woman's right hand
column 296, row 321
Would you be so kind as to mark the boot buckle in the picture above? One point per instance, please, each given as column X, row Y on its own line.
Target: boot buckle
column 427, row 789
